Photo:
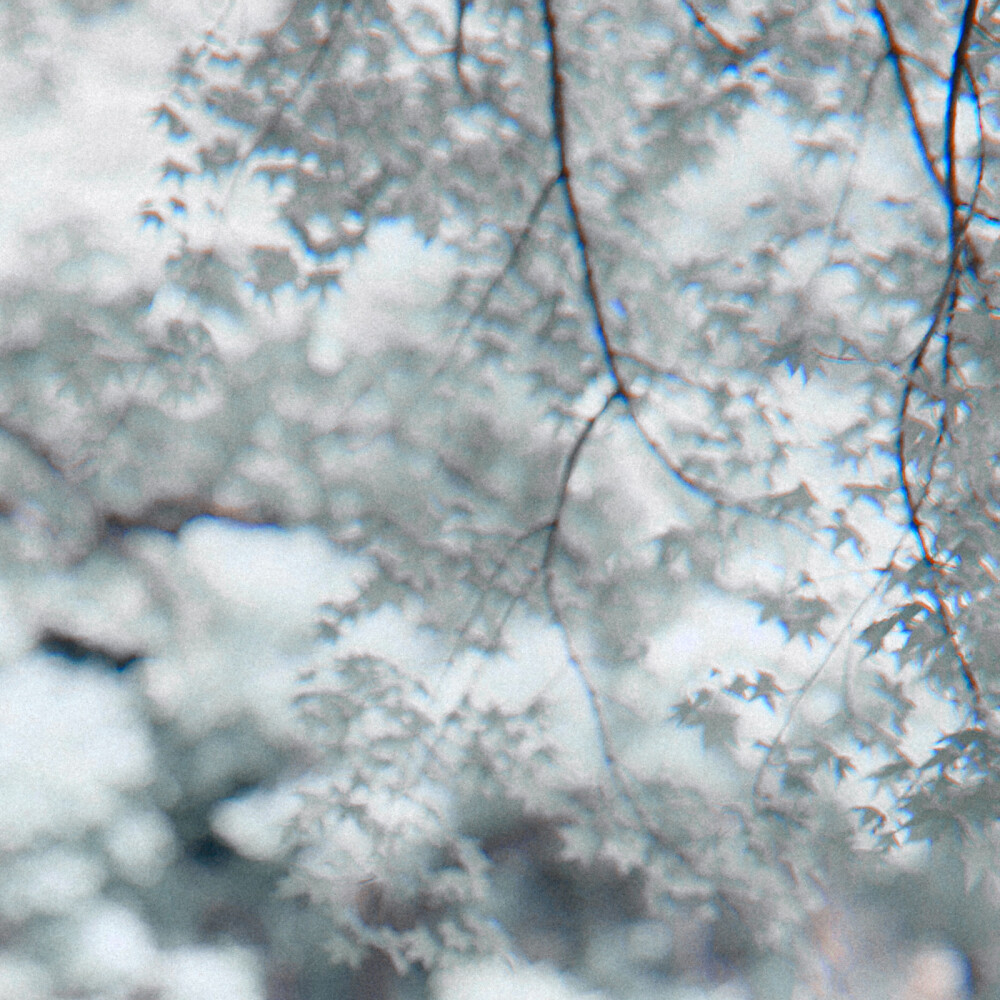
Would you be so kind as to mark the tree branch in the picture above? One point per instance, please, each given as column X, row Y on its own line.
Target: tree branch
column 958, row 70
column 703, row 22
column 564, row 177
column 896, row 53
column 940, row 323
column 561, row 132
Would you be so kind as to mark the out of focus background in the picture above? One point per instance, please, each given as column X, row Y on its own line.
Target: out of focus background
column 170, row 590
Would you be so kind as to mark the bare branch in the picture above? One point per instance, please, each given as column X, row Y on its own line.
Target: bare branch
column 959, row 69
column 515, row 252
column 896, row 53
column 567, row 474
column 703, row 22
column 943, row 314
column 460, row 8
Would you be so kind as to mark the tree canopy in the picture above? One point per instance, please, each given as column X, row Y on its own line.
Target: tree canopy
column 611, row 386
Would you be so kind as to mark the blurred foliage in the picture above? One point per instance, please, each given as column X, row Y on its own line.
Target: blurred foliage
column 350, row 556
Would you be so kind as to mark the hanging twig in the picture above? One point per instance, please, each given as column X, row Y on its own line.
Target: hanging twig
column 940, row 323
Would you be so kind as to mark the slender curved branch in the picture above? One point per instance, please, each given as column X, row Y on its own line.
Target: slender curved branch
column 959, row 69
column 460, row 8
column 565, row 179
column 515, row 252
column 961, row 211
column 917, row 524
column 940, row 326
column 703, row 22
column 549, row 528
column 896, row 54
column 569, row 467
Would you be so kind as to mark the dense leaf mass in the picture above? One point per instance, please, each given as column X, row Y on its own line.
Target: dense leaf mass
column 569, row 321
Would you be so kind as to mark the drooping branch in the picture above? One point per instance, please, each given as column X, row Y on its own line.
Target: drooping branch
column 515, row 251
column 920, row 529
column 896, row 55
column 946, row 180
column 595, row 300
column 705, row 25
column 569, row 467
column 959, row 69
column 913, row 503
column 548, row 529
column 459, row 51
column 941, row 319
column 561, row 139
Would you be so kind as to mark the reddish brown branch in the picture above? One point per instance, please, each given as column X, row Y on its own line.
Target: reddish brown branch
column 943, row 314
column 959, row 68
column 941, row 319
column 622, row 390
column 896, row 54
column 703, row 22
column 918, row 526
column 946, row 183
column 561, row 139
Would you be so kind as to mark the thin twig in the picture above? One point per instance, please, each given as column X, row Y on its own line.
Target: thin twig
column 569, row 467
column 460, row 8
column 940, row 323
column 564, row 178
column 703, row 22
column 593, row 295
column 896, row 54
column 959, row 69
column 515, row 251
